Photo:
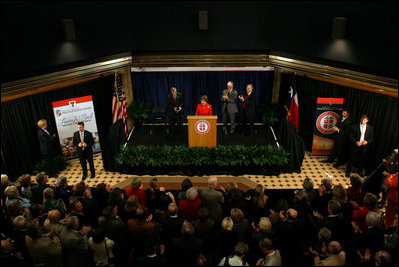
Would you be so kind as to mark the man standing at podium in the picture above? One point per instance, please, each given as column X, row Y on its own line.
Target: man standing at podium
column 175, row 105
column 229, row 107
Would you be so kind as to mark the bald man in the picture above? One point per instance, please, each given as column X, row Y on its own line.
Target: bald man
column 212, row 199
column 53, row 221
column 336, row 258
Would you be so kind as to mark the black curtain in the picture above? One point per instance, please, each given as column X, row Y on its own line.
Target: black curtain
column 154, row 87
column 19, row 141
column 382, row 110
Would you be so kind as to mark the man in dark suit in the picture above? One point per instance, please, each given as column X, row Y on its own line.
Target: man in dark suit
column 360, row 136
column 47, row 147
column 83, row 141
column 175, row 106
column 248, row 108
column 229, row 107
column 341, row 139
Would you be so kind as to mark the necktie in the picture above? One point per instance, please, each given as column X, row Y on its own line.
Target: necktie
column 174, row 98
column 245, row 104
column 81, row 139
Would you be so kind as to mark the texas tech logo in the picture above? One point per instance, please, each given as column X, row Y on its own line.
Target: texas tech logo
column 326, row 121
column 202, row 127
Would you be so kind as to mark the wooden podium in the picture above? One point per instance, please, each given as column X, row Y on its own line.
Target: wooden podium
column 202, row 131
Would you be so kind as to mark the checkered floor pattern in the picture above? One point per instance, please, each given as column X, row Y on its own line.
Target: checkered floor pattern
column 312, row 167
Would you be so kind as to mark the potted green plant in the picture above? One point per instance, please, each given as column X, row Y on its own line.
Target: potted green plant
column 137, row 111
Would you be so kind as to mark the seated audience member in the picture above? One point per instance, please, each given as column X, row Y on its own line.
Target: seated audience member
column 63, row 191
column 261, row 230
column 188, row 207
column 75, row 249
column 256, row 203
column 391, row 209
column 50, row 203
column 204, row 109
column 336, row 255
column 241, row 225
column 212, row 199
column 360, row 212
column 154, row 194
column 53, row 221
column 129, row 210
column 26, row 188
column 354, row 192
column 136, row 189
column 272, row 256
column 240, row 251
column 227, row 238
column 37, row 189
column 44, row 250
column 308, row 188
column 101, row 247
column 185, row 185
column 154, row 256
column 185, row 249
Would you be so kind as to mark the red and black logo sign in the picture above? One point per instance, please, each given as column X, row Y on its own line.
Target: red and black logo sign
column 326, row 121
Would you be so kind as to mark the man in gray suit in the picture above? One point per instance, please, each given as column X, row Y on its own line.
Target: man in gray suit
column 75, row 247
column 212, row 199
column 229, row 107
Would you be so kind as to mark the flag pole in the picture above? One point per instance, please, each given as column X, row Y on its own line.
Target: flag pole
column 130, row 134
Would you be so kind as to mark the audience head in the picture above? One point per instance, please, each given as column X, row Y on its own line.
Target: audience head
column 15, row 209
column 291, row 214
column 203, row 214
column 187, row 229
column 232, row 186
column 115, row 195
column 153, row 183
column 172, row 209
column 241, row 249
column 334, row 248
column 75, row 205
column 20, row 223
column 131, row 204
column 227, row 224
column 140, row 213
column 79, row 189
column 4, row 180
column 212, row 181
column 54, row 216
column 41, row 178
column 72, row 223
column 308, row 184
column 186, row 184
column 301, row 197
column 339, row 194
column 334, row 207
column 266, row 245
column 24, row 180
column 327, row 184
column 370, row 201
column 383, row 258
column 98, row 235
column 191, row 193
column 372, row 219
column 61, row 182
column 11, row 191
column 136, row 183
column 48, row 194
column 324, row 234
column 356, row 182
column 282, row 204
column 265, row 224
column 237, row 215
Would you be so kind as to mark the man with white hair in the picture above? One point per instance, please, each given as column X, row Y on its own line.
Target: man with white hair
column 336, row 258
column 21, row 225
column 229, row 107
column 212, row 199
column 373, row 237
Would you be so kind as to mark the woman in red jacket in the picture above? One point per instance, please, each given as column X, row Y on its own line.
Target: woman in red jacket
column 204, row 109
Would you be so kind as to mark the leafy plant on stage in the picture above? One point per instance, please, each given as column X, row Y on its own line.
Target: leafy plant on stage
column 137, row 111
column 55, row 165
column 269, row 113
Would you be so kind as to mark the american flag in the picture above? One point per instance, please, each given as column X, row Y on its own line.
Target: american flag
column 119, row 102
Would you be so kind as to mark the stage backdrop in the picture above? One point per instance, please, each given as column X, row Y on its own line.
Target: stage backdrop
column 382, row 110
column 67, row 114
column 153, row 85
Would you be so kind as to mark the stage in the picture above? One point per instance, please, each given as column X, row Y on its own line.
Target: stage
column 142, row 136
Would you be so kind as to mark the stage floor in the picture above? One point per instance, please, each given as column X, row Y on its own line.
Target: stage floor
column 159, row 136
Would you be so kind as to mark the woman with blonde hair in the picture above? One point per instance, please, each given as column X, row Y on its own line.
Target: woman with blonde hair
column 257, row 203
column 227, row 238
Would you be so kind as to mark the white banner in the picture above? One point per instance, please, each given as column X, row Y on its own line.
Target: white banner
column 67, row 114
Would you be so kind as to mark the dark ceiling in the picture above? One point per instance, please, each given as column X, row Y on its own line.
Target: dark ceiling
column 32, row 42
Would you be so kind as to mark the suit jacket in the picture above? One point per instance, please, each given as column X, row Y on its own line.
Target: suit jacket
column 230, row 103
column 355, row 133
column 333, row 260
column 212, row 200
column 250, row 105
column 45, row 250
column 344, row 126
column 74, row 248
column 87, row 138
column 172, row 104
column 46, row 143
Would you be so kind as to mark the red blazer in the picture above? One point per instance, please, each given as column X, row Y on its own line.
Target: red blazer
column 203, row 110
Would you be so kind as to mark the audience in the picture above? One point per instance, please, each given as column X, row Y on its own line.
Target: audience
column 104, row 226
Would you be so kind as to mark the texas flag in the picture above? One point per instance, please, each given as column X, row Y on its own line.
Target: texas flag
column 291, row 104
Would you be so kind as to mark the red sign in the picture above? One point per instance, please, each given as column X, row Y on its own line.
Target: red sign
column 326, row 121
